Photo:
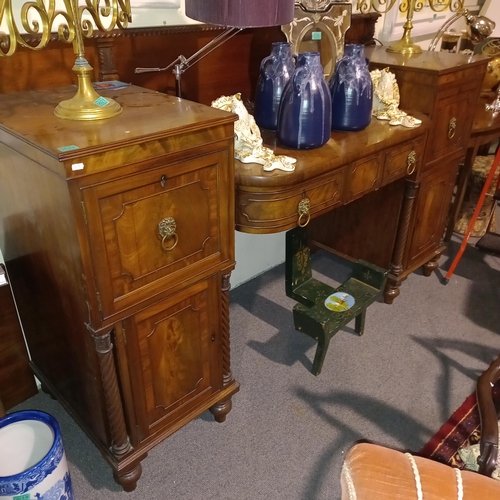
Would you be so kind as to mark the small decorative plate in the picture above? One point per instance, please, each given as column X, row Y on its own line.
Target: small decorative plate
column 339, row 302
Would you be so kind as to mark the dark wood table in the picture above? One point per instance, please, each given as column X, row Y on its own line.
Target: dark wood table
column 485, row 129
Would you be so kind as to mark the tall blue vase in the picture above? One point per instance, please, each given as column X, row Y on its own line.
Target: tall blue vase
column 275, row 71
column 351, row 87
column 304, row 117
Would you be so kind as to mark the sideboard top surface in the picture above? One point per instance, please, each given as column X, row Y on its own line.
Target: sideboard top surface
column 341, row 149
column 30, row 117
column 427, row 62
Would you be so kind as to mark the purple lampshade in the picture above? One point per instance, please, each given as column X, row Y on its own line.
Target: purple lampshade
column 241, row 13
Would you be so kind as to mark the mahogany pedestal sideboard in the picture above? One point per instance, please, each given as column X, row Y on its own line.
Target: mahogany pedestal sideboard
column 445, row 87
column 374, row 171
column 118, row 236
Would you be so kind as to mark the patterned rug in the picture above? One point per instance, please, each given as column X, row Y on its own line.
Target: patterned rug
column 480, row 170
column 462, row 429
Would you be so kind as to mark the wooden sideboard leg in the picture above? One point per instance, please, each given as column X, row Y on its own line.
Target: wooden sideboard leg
column 396, row 268
column 120, row 442
column 222, row 408
column 128, row 477
column 431, row 266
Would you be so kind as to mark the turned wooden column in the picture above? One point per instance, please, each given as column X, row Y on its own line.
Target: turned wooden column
column 222, row 408
column 120, row 442
column 396, row 269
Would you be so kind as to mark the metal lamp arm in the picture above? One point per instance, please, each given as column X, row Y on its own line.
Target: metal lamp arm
column 446, row 25
column 181, row 64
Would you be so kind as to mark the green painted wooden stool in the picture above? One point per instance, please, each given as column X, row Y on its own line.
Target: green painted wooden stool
column 323, row 310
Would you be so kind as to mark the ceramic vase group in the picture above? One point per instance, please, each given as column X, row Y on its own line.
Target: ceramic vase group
column 294, row 98
column 32, row 458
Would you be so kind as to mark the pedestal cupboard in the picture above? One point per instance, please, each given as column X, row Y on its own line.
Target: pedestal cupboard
column 445, row 87
column 119, row 240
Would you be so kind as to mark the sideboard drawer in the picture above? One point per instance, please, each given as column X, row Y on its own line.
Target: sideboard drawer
column 403, row 160
column 363, row 176
column 132, row 256
column 273, row 211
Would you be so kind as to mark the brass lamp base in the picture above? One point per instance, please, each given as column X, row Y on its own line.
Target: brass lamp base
column 87, row 104
column 404, row 46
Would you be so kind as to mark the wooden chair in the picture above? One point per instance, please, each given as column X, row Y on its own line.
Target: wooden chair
column 323, row 310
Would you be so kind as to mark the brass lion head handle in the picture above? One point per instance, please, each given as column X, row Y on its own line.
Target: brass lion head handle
column 166, row 231
column 304, row 211
column 411, row 162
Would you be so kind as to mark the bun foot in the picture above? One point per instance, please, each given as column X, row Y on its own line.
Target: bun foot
column 128, row 478
column 220, row 410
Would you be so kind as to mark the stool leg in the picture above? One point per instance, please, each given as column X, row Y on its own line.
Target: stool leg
column 359, row 325
column 319, row 357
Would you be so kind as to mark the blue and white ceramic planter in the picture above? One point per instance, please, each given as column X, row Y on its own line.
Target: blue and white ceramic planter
column 32, row 460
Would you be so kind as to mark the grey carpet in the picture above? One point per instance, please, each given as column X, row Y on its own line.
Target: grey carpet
column 288, row 431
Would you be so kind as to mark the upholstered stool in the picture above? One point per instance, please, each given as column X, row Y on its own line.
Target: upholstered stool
column 323, row 310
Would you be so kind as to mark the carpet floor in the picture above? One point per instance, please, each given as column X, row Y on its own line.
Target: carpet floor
column 288, row 431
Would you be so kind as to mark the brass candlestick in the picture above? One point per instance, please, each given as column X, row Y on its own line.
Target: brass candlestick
column 406, row 44
column 87, row 104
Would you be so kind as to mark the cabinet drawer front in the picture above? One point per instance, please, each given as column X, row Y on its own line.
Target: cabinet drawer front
column 132, row 257
column 451, row 125
column 363, row 176
column 279, row 211
column 173, row 361
column 403, row 160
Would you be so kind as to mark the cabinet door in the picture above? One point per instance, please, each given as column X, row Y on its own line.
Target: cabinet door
column 451, row 122
column 431, row 213
column 132, row 258
column 173, row 358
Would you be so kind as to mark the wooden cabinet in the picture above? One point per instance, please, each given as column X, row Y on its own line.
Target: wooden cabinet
column 445, row 87
column 16, row 379
column 119, row 239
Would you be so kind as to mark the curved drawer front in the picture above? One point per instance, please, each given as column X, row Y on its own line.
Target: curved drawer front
column 274, row 211
column 156, row 229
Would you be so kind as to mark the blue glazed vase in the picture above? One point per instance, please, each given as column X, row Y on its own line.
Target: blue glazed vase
column 32, row 459
column 304, row 116
column 275, row 71
column 351, row 87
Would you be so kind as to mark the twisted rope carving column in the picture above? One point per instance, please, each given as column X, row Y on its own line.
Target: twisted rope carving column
column 221, row 409
column 396, row 268
column 120, row 442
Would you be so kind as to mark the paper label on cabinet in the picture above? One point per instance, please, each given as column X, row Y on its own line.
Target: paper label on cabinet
column 77, row 166
column 67, row 148
column 316, row 35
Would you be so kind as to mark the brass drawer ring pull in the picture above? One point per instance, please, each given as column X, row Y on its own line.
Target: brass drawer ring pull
column 304, row 212
column 166, row 230
column 452, row 128
column 411, row 162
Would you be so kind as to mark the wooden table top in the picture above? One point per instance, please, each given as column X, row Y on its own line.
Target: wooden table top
column 341, row 149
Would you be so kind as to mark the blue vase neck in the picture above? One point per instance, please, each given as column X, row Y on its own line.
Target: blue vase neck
column 281, row 49
column 308, row 58
column 354, row 50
